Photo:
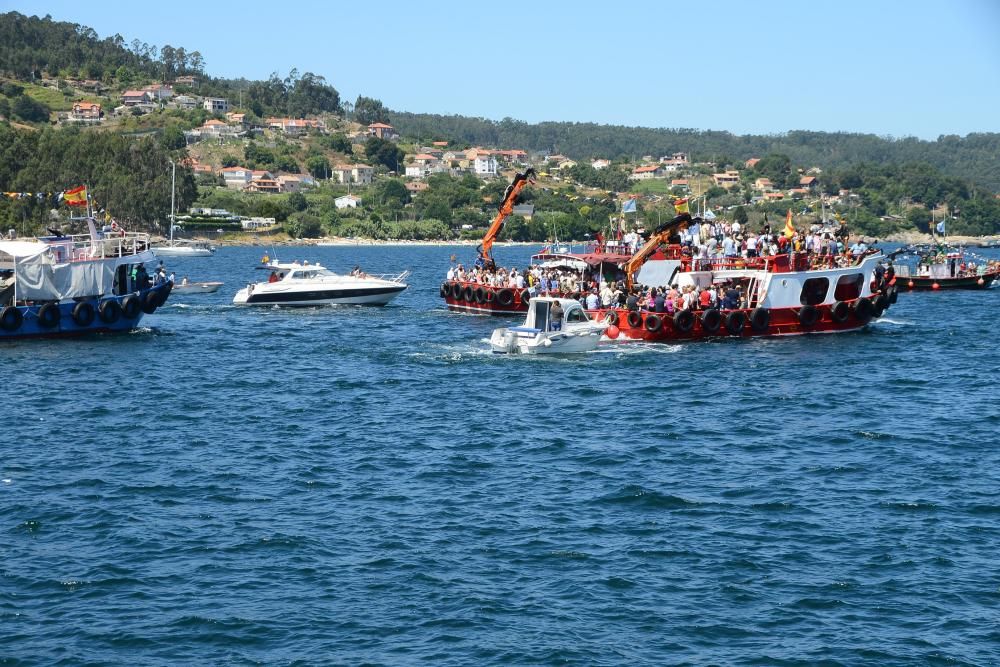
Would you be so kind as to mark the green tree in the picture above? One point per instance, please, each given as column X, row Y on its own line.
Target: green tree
column 368, row 111
column 740, row 216
column 30, row 110
column 297, row 201
column 384, row 152
column 318, row 166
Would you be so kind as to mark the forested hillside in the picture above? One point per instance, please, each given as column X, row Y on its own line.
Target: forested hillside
column 975, row 157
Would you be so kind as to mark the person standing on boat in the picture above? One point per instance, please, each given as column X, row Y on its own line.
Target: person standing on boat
column 555, row 317
column 273, row 278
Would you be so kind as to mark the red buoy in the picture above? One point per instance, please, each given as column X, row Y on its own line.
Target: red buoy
column 612, row 332
column 980, row 282
column 935, row 286
column 910, row 284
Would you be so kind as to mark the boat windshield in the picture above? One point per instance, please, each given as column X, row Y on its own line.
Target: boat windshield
column 577, row 315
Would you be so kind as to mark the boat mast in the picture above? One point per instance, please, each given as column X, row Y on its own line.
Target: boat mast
column 173, row 182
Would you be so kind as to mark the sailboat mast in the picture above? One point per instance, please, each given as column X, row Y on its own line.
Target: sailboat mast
column 173, row 191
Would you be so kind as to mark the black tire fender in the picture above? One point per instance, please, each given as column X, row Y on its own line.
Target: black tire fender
column 711, row 320
column 48, row 315
column 11, row 318
column 653, row 323
column 684, row 320
column 83, row 314
column 760, row 319
column 131, row 307
column 736, row 321
column 808, row 316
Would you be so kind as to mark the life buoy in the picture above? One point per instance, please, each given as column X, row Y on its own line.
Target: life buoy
column 480, row 294
column 808, row 316
column 634, row 319
column 525, row 297
column 684, row 320
column 11, row 318
column 445, row 290
column 83, row 314
column 881, row 302
column 653, row 323
column 131, row 307
column 456, row 291
column 711, row 320
column 468, row 293
column 48, row 315
column 839, row 312
column 735, row 322
column 505, row 297
column 150, row 302
column 611, row 317
column 760, row 318
column 109, row 311
column 863, row 310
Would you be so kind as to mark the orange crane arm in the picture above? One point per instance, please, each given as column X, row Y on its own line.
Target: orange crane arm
column 506, row 207
column 660, row 235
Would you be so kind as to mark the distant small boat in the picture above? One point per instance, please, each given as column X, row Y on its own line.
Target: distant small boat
column 571, row 333
column 184, row 249
column 197, row 288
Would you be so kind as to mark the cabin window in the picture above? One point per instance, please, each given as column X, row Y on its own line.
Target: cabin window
column 576, row 315
column 849, row 287
column 814, row 291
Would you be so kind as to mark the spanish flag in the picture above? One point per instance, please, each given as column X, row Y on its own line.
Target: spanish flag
column 76, row 196
column 681, row 206
column 789, row 229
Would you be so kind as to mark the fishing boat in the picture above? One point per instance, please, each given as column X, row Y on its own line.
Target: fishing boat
column 70, row 285
column 549, row 329
column 785, row 294
column 941, row 267
column 463, row 292
column 305, row 284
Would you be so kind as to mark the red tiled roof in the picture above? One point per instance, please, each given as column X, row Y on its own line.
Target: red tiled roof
column 646, row 169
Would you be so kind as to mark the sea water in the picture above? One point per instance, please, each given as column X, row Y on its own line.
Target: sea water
column 357, row 485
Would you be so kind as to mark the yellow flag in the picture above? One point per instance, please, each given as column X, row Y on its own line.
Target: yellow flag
column 681, row 206
column 789, row 229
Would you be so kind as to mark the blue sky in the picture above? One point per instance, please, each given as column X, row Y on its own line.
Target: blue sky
column 887, row 67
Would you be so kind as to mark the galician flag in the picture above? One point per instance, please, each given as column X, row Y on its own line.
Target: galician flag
column 789, row 229
column 628, row 206
column 76, row 196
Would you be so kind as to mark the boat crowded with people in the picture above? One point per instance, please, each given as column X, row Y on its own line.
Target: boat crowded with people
column 304, row 284
column 552, row 326
column 70, row 285
column 941, row 267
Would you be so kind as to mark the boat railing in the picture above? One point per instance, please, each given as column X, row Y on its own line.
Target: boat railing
column 84, row 247
column 390, row 277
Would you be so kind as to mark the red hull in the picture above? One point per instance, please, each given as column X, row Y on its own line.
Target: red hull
column 471, row 297
column 663, row 328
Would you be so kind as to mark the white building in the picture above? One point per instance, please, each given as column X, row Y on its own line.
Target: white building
column 347, row 201
column 485, row 166
column 216, row 104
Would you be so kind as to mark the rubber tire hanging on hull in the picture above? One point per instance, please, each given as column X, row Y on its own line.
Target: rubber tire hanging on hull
column 469, row 294
column 684, row 320
column 110, row 311
column 881, row 302
column 653, row 323
column 505, row 297
column 445, row 290
column 760, row 319
column 480, row 295
column 131, row 307
column 736, row 321
column 863, row 310
column 456, row 291
column 11, row 318
column 611, row 317
column 83, row 314
column 525, row 297
column 634, row 319
column 839, row 312
column 711, row 320
column 808, row 316
column 48, row 315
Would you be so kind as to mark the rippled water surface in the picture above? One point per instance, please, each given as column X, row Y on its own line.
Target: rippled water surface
column 364, row 485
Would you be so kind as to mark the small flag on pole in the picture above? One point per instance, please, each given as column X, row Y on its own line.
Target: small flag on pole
column 681, row 206
column 789, row 229
column 628, row 206
column 940, row 227
column 76, row 196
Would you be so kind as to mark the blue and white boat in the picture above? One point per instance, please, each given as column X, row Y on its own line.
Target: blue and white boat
column 60, row 285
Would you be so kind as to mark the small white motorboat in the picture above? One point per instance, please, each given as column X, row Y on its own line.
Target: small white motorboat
column 196, row 287
column 295, row 284
column 542, row 333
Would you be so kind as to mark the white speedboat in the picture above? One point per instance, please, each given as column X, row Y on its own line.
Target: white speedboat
column 542, row 334
column 295, row 284
column 197, row 288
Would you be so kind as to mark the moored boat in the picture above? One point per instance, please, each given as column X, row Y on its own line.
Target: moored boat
column 552, row 326
column 73, row 285
column 305, row 284
column 188, row 287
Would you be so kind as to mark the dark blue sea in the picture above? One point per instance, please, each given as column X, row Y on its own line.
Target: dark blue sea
column 358, row 485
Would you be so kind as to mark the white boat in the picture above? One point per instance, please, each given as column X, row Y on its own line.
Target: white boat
column 574, row 332
column 181, row 248
column 184, row 249
column 295, row 284
column 197, row 288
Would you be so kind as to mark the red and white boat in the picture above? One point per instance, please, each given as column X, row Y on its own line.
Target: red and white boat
column 939, row 267
column 780, row 295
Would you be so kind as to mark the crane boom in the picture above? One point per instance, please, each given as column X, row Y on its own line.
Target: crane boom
column 660, row 235
column 506, row 207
